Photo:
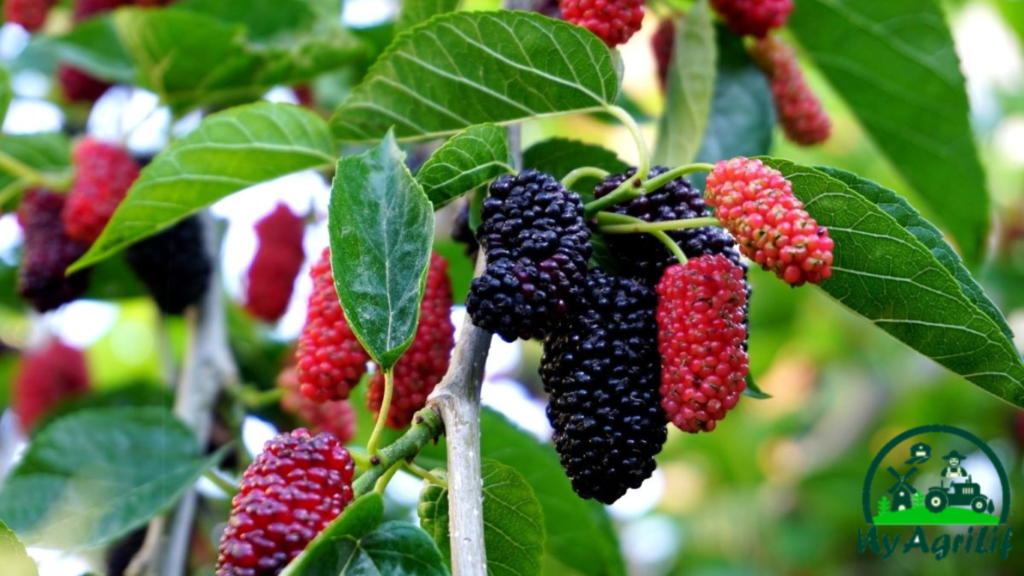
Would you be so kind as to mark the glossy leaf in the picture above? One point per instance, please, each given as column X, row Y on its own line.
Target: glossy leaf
column 559, row 156
column 381, row 227
column 470, row 158
column 230, row 151
column 418, row 11
column 895, row 65
column 883, row 272
column 513, row 521
column 467, row 68
column 189, row 58
column 13, row 557
column 327, row 553
column 689, row 88
column 94, row 476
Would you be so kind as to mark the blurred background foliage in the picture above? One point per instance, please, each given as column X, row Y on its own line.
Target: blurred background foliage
column 776, row 489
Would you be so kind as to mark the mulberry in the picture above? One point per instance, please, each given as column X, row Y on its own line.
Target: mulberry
column 701, row 337
column 337, row 418
column 330, row 359
column 614, row 21
column 30, row 14
column 548, row 8
column 662, row 44
column 643, row 255
column 48, row 252
column 288, row 495
column 537, row 247
column 85, row 9
column 799, row 110
column 46, row 377
column 753, row 17
column 104, row 174
column 756, row 203
column 79, row 86
column 601, row 367
column 425, row 363
column 174, row 265
column 279, row 257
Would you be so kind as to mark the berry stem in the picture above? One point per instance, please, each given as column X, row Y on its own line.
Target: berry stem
column 641, row 226
column 228, row 487
column 362, row 461
column 426, row 427
column 383, row 481
column 671, row 245
column 412, row 468
column 635, row 186
column 644, row 161
column 252, row 398
column 31, row 176
column 382, row 415
column 574, row 176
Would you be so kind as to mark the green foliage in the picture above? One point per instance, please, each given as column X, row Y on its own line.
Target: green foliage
column 96, row 475
column 418, row 11
column 357, row 544
column 883, row 506
column 559, row 156
column 513, row 521
column 381, row 227
column 883, row 272
column 689, row 88
column 230, row 151
column 917, row 500
column 6, row 93
column 266, row 21
column 93, row 46
column 13, row 557
column 895, row 65
column 45, row 152
column 421, row 90
column 468, row 159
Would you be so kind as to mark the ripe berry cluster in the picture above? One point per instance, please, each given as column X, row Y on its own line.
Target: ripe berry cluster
column 614, row 21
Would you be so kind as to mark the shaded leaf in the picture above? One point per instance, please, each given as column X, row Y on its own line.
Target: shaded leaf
column 467, row 68
column 470, row 158
column 93, row 476
column 884, row 273
column 418, row 11
column 13, row 557
column 381, row 227
column 230, row 151
column 895, row 65
column 264, row 20
column 689, row 88
column 559, row 156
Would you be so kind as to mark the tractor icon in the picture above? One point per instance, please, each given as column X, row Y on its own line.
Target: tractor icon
column 963, row 494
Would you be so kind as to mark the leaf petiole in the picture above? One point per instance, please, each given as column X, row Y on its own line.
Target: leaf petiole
column 412, row 468
column 574, row 176
column 621, row 227
column 634, row 187
column 382, row 415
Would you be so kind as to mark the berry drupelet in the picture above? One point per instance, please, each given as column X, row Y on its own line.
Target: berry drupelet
column 601, row 368
column 537, row 246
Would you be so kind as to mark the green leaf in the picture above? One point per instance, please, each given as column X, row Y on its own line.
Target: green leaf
column 883, row 272
column 49, row 153
column 190, row 59
column 689, row 88
column 742, row 112
column 467, row 68
column 6, row 93
column 94, row 47
column 513, row 521
column 754, row 391
column 230, row 151
column 896, row 206
column 418, row 11
column 559, row 156
column 895, row 65
column 13, row 557
column 94, row 476
column 381, row 227
column 264, row 20
column 472, row 157
column 354, row 545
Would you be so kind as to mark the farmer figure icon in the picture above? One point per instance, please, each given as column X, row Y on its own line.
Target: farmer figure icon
column 953, row 468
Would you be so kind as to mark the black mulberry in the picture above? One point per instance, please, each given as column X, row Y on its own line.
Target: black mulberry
column 174, row 265
column 48, row 252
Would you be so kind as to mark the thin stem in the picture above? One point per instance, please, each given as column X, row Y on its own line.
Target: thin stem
column 382, row 415
column 670, row 244
column 637, row 186
column 229, row 488
column 382, row 482
column 644, row 161
column 641, row 226
column 572, row 177
column 361, row 460
column 425, row 474
column 426, row 427
column 31, row 176
column 679, row 171
column 634, row 225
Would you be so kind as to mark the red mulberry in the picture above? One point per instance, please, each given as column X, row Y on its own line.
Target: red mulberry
column 426, row 361
column 753, row 17
column 614, row 21
column 337, row 417
column 330, row 359
column 279, row 257
column 85, row 9
column 79, row 86
column 104, row 174
column 800, row 112
column 769, row 222
column 662, row 44
column 701, row 336
column 46, row 377
column 48, row 252
column 30, row 14
column 293, row 490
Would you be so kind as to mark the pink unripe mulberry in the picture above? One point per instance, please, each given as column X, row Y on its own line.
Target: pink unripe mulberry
column 799, row 110
column 614, row 21
column 753, row 17
column 279, row 257
column 46, row 377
